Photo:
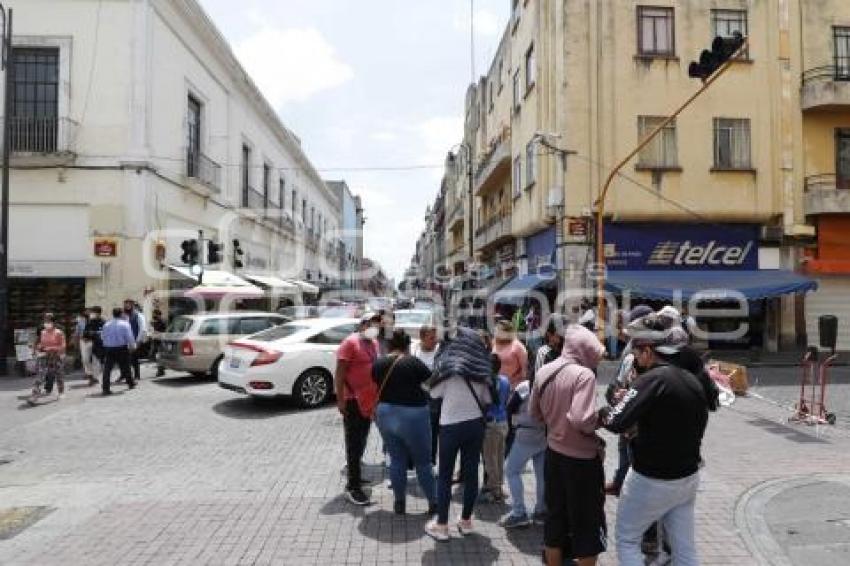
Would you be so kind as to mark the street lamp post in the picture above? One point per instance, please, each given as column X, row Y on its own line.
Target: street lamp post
column 709, row 62
column 7, row 63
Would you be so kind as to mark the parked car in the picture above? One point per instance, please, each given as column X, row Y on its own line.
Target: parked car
column 411, row 320
column 297, row 359
column 194, row 343
column 299, row 312
column 341, row 311
column 379, row 304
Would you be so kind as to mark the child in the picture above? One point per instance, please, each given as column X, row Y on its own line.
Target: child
column 494, row 436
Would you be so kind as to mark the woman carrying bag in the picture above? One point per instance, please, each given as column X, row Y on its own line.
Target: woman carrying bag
column 404, row 419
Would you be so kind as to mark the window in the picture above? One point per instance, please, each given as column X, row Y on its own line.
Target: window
column 334, row 335
column 293, row 202
column 35, row 107
column 530, row 69
column 267, row 179
column 515, row 11
column 304, row 211
column 656, row 35
column 281, row 193
column 842, row 158
column 246, row 174
column 312, row 217
column 530, row 163
column 517, row 176
column 517, row 96
column 279, row 332
column 725, row 23
column 661, row 153
column 732, row 143
column 492, row 93
column 214, row 327
column 501, row 75
column 193, row 141
column 841, row 47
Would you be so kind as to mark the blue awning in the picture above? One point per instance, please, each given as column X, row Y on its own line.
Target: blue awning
column 515, row 291
column 711, row 285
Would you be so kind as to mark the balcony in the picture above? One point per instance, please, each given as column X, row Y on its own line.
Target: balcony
column 42, row 141
column 826, row 194
column 254, row 201
column 457, row 215
column 493, row 232
column 494, row 166
column 203, row 170
column 826, row 88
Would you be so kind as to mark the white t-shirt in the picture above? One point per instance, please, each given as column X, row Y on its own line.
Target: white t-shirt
column 458, row 403
column 426, row 358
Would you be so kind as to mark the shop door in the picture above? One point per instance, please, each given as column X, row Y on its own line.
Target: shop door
column 29, row 299
column 842, row 158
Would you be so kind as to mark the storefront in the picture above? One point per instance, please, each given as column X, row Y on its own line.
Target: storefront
column 540, row 250
column 719, row 272
column 829, row 264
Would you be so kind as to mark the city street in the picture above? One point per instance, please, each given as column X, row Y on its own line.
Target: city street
column 180, row 471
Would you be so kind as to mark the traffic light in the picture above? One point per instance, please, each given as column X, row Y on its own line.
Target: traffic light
column 237, row 255
column 722, row 49
column 214, row 253
column 190, row 252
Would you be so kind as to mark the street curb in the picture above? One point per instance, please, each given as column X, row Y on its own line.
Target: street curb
column 750, row 521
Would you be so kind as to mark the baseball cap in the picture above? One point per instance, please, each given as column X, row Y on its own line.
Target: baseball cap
column 671, row 315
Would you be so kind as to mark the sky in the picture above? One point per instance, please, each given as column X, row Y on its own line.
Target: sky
column 369, row 84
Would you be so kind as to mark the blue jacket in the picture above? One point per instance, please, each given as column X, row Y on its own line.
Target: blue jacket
column 464, row 355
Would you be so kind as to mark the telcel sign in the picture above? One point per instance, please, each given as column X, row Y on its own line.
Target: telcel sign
column 643, row 246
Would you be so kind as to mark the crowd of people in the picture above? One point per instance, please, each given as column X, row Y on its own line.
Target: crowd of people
column 102, row 346
column 451, row 403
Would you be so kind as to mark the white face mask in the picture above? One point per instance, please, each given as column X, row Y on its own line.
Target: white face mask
column 48, row 325
column 370, row 333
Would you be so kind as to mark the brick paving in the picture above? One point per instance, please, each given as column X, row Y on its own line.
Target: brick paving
column 182, row 472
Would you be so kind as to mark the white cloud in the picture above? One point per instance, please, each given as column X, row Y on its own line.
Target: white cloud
column 384, row 136
column 439, row 134
column 487, row 24
column 291, row 65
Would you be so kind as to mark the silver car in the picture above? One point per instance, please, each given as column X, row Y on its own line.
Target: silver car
column 195, row 343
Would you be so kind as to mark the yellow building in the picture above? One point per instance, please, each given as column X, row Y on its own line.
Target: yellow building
column 747, row 189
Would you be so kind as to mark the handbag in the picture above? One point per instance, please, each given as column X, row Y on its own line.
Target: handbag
column 370, row 403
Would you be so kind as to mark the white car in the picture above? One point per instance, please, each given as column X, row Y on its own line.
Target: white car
column 296, row 359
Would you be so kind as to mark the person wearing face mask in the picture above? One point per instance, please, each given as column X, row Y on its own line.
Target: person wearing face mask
column 426, row 351
column 356, row 396
column 51, row 353
column 511, row 352
column 670, row 408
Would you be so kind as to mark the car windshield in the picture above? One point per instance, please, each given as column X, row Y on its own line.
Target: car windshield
column 339, row 312
column 412, row 318
column 180, row 325
column 279, row 332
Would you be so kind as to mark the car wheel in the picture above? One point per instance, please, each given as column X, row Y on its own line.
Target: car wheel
column 214, row 368
column 313, row 388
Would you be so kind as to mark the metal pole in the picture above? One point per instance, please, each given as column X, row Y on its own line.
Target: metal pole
column 471, row 202
column 201, row 257
column 600, row 202
column 4, row 209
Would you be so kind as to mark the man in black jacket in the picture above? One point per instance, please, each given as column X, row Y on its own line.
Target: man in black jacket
column 91, row 336
column 670, row 408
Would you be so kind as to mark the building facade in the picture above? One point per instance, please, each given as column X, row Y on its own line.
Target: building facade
column 757, row 164
column 133, row 127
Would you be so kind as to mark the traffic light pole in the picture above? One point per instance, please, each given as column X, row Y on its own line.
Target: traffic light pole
column 8, row 66
column 600, row 268
column 201, row 257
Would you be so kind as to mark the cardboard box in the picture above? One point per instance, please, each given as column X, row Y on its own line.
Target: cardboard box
column 737, row 375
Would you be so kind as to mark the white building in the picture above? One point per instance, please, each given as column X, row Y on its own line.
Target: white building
column 133, row 127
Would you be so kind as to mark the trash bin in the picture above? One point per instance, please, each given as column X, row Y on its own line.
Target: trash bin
column 828, row 331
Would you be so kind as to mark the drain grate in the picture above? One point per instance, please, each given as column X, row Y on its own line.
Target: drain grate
column 15, row 520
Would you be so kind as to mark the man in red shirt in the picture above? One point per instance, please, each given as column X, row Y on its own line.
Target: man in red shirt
column 356, row 395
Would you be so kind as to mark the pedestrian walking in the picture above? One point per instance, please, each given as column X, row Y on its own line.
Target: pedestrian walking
column 670, row 408
column 118, row 344
column 139, row 327
column 511, row 352
column 50, row 350
column 79, row 328
column 564, row 398
column 495, row 435
column 356, row 395
column 553, row 342
column 403, row 419
column 462, row 379
column 426, row 352
column 92, row 346
column 158, row 327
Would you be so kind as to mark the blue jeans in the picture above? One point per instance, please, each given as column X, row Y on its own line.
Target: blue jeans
column 407, row 437
column 646, row 500
column 523, row 450
column 625, row 460
column 466, row 437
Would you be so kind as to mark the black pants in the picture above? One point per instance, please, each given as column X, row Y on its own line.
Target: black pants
column 356, row 428
column 435, row 406
column 121, row 357
column 134, row 361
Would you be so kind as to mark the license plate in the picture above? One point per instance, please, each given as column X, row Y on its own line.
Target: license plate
column 235, row 363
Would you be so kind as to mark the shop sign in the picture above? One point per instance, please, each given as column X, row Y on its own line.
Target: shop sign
column 645, row 246
column 577, row 227
column 106, row 247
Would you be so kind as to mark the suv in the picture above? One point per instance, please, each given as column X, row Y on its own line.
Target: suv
column 194, row 343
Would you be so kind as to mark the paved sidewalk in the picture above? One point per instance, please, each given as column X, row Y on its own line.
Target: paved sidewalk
column 182, row 472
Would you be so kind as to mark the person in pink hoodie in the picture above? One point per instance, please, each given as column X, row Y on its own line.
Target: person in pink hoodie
column 564, row 398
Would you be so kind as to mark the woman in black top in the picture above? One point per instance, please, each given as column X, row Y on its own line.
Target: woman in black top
column 403, row 418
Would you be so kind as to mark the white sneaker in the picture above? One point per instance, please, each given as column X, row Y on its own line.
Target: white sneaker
column 439, row 533
column 661, row 560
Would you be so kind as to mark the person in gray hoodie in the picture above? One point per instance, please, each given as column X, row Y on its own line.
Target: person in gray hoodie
column 564, row 398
